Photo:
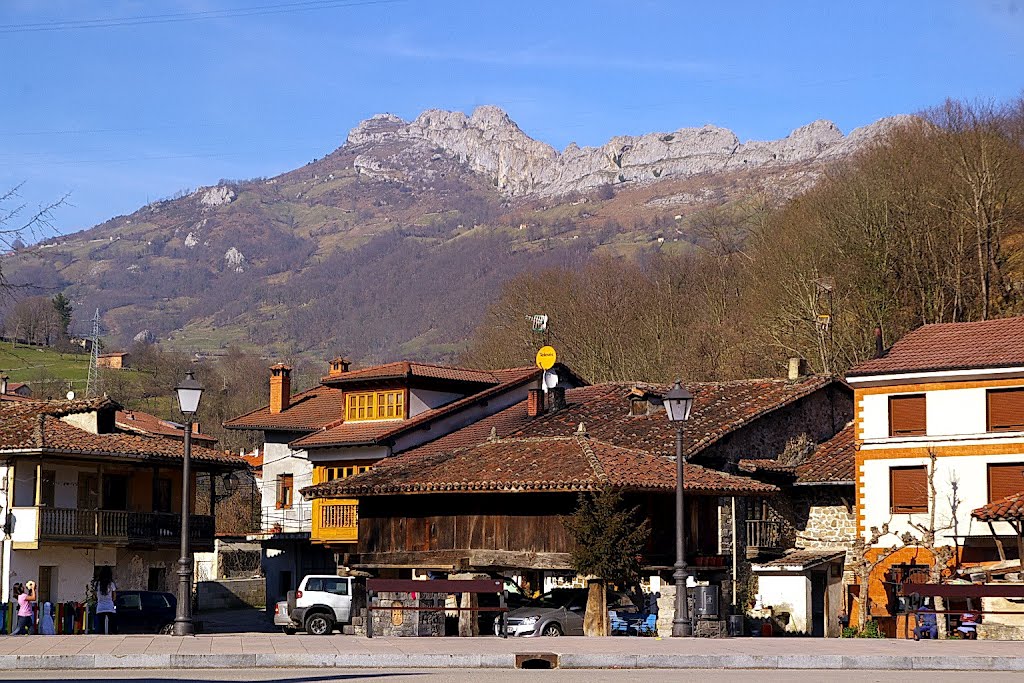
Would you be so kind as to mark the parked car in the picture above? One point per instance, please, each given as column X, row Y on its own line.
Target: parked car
column 282, row 620
column 559, row 612
column 145, row 611
column 320, row 604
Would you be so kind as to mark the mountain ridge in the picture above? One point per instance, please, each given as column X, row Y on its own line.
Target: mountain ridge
column 395, row 243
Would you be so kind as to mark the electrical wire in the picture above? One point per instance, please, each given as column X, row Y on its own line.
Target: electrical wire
column 260, row 10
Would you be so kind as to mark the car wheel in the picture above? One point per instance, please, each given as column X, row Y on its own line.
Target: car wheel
column 319, row 625
column 552, row 630
column 288, row 630
column 166, row 630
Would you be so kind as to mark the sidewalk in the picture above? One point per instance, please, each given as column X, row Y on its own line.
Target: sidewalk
column 278, row 650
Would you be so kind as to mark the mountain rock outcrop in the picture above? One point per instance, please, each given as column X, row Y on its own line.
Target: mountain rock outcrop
column 489, row 142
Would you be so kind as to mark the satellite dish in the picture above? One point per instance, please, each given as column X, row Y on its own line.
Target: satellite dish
column 71, row 395
column 550, row 380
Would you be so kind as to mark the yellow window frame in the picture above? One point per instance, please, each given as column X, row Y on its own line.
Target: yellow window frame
column 375, row 405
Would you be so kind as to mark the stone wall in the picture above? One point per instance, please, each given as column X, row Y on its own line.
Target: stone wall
column 408, row 622
column 231, row 594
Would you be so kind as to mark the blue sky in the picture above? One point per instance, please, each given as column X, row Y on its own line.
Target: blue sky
column 122, row 114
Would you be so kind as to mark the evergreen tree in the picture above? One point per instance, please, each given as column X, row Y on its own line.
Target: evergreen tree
column 63, row 307
column 607, row 542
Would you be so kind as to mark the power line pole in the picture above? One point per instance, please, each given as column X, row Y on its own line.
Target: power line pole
column 93, row 383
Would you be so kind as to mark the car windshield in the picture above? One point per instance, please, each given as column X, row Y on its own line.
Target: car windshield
column 560, row 598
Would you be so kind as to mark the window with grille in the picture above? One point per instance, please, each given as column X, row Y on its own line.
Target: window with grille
column 285, row 490
column 908, row 489
column 907, row 415
column 341, row 472
column 375, row 405
column 1005, row 410
column 1005, row 479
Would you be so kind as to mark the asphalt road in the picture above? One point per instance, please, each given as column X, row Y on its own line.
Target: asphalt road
column 505, row 676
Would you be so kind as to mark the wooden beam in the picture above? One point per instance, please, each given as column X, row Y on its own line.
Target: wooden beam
column 999, row 544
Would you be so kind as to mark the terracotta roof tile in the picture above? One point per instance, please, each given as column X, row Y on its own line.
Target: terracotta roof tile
column 1009, row 509
column 719, row 408
column 833, row 462
column 36, row 426
column 353, row 433
column 576, row 463
column 407, row 369
column 138, row 421
column 308, row 411
column 804, row 559
column 952, row 346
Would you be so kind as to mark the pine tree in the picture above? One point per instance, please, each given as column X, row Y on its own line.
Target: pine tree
column 607, row 542
column 63, row 307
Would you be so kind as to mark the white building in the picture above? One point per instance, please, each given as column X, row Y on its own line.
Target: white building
column 78, row 493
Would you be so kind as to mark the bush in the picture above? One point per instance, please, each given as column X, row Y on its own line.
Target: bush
column 871, row 630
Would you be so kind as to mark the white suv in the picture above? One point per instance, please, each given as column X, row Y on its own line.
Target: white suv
column 322, row 603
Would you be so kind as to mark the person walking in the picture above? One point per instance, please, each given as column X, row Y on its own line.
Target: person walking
column 26, row 595
column 106, row 593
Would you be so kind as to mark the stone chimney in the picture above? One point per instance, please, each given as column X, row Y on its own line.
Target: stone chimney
column 557, row 395
column 339, row 366
column 280, row 387
column 797, row 369
column 534, row 402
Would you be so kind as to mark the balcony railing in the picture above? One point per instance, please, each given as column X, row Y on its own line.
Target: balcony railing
column 335, row 521
column 764, row 535
column 121, row 527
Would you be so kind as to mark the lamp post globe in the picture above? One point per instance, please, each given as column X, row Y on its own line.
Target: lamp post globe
column 678, row 404
column 189, row 392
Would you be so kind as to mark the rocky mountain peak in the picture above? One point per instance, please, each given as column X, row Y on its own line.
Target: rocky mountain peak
column 489, row 142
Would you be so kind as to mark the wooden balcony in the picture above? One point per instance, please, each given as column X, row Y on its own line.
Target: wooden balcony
column 335, row 521
column 118, row 527
column 764, row 536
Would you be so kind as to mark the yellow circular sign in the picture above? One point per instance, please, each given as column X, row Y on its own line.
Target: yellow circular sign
column 546, row 357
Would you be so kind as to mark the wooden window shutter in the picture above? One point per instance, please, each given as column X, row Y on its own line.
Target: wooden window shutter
column 1005, row 479
column 1005, row 410
column 908, row 489
column 907, row 415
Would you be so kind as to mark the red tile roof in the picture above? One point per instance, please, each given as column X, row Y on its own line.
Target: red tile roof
column 35, row 426
column 360, row 433
column 407, row 370
column 307, row 412
column 1009, row 509
column 833, row 462
column 952, row 346
column 719, row 409
column 554, row 464
column 138, row 421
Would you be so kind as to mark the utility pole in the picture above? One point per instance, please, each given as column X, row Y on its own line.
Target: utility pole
column 93, row 385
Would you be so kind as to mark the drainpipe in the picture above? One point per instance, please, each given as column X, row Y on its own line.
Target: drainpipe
column 735, row 564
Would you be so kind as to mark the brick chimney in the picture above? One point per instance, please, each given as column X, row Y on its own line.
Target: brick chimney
column 280, row 387
column 339, row 366
column 879, row 344
column 534, row 402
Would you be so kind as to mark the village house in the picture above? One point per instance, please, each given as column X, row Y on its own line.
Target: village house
column 492, row 495
column 345, row 425
column 803, row 561
column 117, row 360
column 940, row 434
column 80, row 493
column 8, row 388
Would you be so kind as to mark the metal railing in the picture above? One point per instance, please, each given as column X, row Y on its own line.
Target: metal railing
column 120, row 526
column 764, row 533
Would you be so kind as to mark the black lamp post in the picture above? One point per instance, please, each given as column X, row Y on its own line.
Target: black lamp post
column 678, row 402
column 189, row 392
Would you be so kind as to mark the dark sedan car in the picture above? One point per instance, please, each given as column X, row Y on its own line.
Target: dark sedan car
column 145, row 611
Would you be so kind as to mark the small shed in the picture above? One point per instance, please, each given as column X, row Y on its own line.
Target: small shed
column 803, row 589
column 114, row 361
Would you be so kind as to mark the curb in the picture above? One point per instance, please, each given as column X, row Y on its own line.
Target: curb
column 506, row 661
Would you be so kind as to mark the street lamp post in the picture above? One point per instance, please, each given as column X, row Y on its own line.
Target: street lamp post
column 189, row 392
column 678, row 402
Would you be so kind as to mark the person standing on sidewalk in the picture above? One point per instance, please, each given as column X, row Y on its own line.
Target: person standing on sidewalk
column 26, row 596
column 106, row 593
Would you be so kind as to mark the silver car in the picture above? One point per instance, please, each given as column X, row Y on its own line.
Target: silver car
column 558, row 613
